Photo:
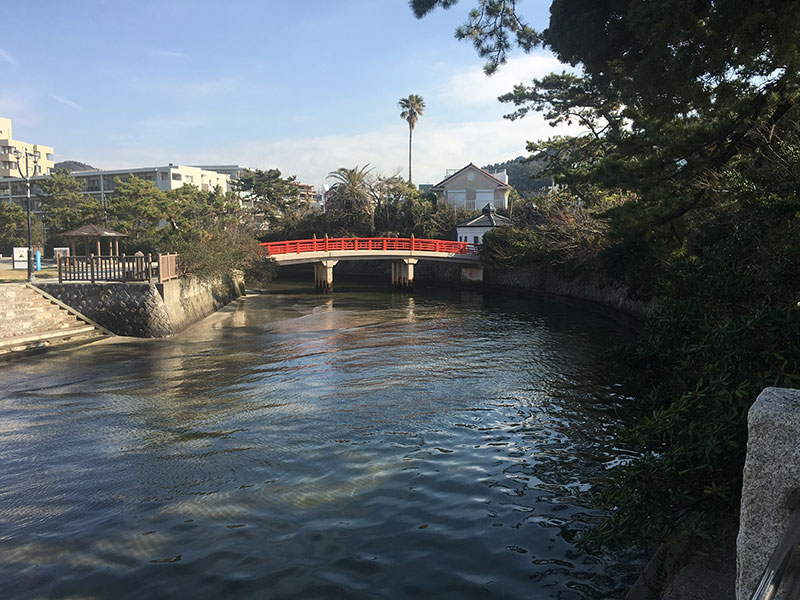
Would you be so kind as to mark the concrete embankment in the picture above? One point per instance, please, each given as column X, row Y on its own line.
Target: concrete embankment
column 147, row 309
column 31, row 321
column 595, row 288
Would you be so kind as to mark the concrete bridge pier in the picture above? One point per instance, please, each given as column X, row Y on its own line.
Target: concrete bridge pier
column 323, row 275
column 403, row 274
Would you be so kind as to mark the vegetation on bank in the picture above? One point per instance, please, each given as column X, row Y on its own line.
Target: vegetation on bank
column 215, row 233
column 683, row 184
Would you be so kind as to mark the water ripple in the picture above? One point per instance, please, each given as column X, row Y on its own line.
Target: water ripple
column 364, row 445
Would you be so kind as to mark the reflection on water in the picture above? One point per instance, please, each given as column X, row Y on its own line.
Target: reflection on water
column 361, row 445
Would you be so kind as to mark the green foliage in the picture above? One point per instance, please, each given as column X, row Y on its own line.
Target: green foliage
column 222, row 247
column 67, row 207
column 690, row 110
column 12, row 224
column 272, row 199
column 488, row 28
column 209, row 232
column 558, row 230
column 663, row 100
column 137, row 207
column 349, row 203
column 411, row 110
column 190, row 211
column 523, row 175
column 727, row 325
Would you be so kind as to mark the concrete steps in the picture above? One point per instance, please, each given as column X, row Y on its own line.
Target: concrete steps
column 31, row 320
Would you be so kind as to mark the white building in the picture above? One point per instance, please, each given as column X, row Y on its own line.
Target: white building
column 471, row 187
column 101, row 184
column 233, row 171
column 8, row 160
column 472, row 230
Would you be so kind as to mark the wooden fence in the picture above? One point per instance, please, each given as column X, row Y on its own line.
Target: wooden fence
column 167, row 267
column 117, row 268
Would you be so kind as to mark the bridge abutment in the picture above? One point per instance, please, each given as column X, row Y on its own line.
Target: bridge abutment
column 403, row 274
column 323, row 275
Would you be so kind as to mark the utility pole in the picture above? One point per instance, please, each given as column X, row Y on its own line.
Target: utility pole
column 35, row 155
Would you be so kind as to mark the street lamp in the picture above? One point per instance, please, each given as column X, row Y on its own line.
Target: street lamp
column 35, row 155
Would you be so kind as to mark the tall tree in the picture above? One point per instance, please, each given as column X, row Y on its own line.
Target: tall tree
column 12, row 225
column 349, row 204
column 411, row 110
column 63, row 200
column 691, row 107
column 664, row 100
column 137, row 207
column 270, row 197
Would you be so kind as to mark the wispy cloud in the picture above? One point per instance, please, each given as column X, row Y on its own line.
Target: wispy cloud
column 473, row 87
column 168, row 54
column 437, row 146
column 6, row 57
column 183, row 89
column 65, row 101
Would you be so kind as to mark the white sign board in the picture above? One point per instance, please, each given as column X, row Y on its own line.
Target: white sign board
column 473, row 274
column 60, row 252
column 19, row 259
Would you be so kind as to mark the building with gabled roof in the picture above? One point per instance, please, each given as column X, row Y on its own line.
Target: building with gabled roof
column 472, row 230
column 472, row 187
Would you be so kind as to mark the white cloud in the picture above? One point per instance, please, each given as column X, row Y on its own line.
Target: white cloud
column 463, row 125
column 7, row 58
column 182, row 89
column 168, row 54
column 65, row 101
column 437, row 147
column 473, row 88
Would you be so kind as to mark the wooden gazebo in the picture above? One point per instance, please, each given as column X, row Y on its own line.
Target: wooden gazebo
column 96, row 233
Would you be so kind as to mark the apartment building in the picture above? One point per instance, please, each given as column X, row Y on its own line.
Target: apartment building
column 233, row 171
column 8, row 162
column 101, row 184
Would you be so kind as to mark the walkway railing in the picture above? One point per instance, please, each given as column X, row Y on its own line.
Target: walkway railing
column 369, row 244
column 117, row 268
column 167, row 267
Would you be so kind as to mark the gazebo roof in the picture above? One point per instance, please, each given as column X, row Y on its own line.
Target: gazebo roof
column 93, row 231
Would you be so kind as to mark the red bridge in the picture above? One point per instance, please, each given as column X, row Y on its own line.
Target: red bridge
column 404, row 253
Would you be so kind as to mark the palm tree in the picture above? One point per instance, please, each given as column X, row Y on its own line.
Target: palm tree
column 348, row 204
column 412, row 108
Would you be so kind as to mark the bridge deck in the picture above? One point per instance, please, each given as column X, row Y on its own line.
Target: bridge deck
column 314, row 250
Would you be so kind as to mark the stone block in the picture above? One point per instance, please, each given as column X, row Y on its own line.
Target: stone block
column 771, row 484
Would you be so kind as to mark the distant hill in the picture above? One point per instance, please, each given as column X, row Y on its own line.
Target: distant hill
column 74, row 165
column 521, row 175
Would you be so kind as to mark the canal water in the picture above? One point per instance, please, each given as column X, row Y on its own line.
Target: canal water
column 360, row 445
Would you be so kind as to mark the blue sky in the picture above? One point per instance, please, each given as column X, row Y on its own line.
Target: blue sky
column 304, row 86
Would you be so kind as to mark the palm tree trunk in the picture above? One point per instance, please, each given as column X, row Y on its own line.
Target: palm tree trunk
column 409, row 153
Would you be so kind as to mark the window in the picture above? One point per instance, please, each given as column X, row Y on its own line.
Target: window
column 189, row 179
column 477, row 240
column 483, row 197
column 176, row 177
column 457, row 198
column 164, row 175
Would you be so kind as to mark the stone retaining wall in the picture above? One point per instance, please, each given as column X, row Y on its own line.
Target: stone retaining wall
column 146, row 309
column 593, row 288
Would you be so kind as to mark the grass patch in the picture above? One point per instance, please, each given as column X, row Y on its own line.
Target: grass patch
column 16, row 276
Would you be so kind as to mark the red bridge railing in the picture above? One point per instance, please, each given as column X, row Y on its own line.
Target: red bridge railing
column 358, row 244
